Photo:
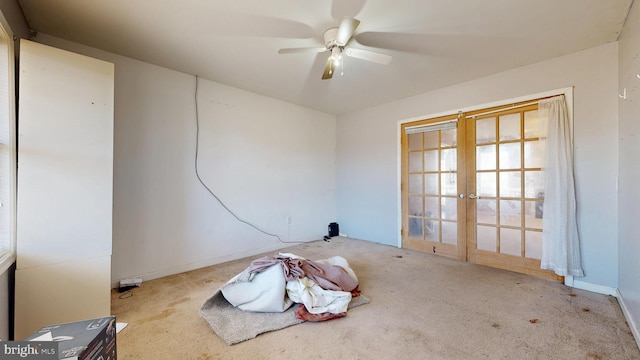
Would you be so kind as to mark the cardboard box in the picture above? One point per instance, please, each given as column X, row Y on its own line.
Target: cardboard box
column 93, row 339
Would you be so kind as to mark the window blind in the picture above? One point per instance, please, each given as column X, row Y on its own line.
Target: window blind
column 440, row 125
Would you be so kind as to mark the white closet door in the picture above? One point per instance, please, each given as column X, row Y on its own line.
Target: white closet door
column 65, row 187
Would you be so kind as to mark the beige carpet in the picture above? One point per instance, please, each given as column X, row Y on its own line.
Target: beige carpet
column 422, row 307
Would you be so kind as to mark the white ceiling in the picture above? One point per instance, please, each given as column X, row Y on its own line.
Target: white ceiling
column 434, row 43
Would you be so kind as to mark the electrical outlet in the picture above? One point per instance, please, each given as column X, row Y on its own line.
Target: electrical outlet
column 289, row 219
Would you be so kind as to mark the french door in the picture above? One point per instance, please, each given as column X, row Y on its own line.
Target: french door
column 432, row 209
column 473, row 188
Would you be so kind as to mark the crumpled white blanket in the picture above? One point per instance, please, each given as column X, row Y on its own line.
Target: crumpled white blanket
column 316, row 299
column 263, row 292
column 269, row 291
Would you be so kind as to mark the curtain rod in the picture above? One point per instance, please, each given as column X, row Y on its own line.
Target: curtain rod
column 509, row 108
column 503, row 109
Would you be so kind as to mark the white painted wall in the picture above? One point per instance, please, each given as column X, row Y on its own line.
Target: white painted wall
column 266, row 159
column 368, row 144
column 628, row 191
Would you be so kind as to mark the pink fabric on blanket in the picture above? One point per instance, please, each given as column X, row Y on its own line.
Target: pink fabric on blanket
column 290, row 266
column 328, row 277
column 303, row 314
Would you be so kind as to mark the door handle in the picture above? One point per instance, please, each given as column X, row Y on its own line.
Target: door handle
column 474, row 196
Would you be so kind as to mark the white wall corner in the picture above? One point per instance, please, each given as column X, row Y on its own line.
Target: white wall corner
column 627, row 314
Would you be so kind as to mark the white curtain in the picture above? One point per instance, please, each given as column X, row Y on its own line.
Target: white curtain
column 560, row 239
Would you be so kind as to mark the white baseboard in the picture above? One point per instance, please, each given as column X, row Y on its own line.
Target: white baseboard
column 600, row 289
column 115, row 283
column 632, row 324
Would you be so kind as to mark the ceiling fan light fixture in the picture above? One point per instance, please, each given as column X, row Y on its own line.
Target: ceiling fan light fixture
column 336, row 41
column 336, row 55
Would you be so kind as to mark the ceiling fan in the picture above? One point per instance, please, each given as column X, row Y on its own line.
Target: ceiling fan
column 336, row 41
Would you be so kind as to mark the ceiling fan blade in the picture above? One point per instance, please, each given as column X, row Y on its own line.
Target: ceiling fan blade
column 302, row 50
column 328, row 69
column 376, row 57
column 345, row 31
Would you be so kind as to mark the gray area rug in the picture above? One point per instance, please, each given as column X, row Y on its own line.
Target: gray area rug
column 234, row 325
